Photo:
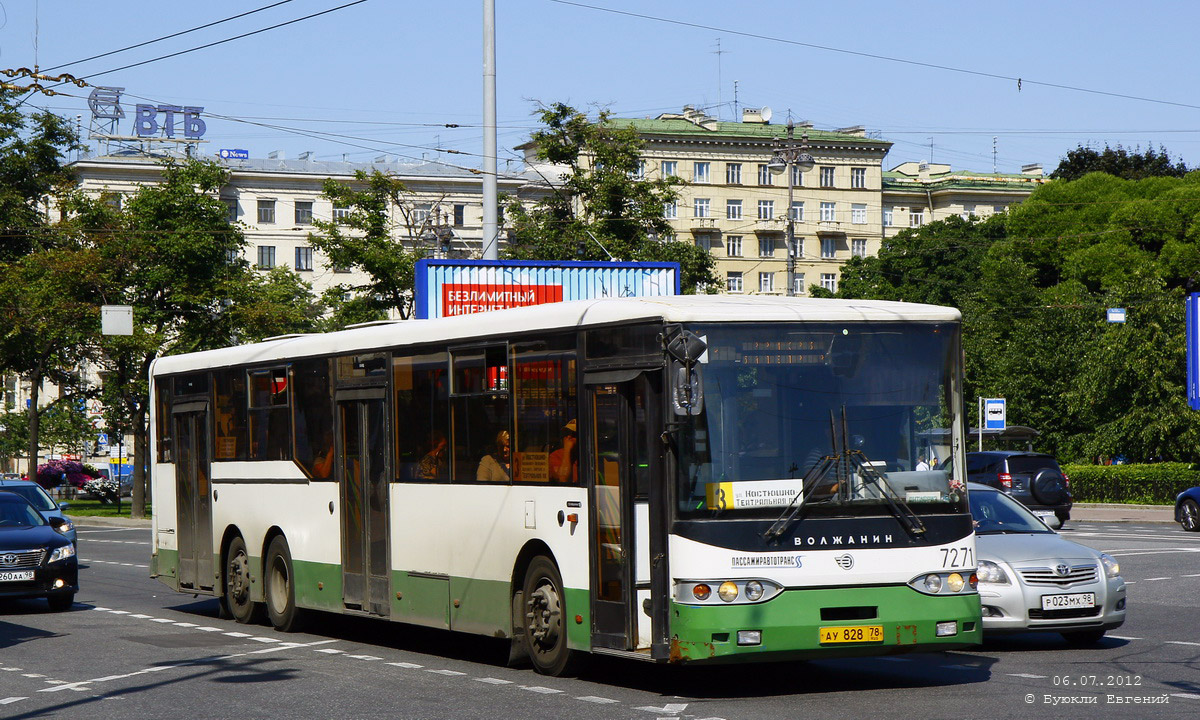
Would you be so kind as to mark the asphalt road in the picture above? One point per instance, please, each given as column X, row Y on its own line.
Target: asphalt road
column 132, row 649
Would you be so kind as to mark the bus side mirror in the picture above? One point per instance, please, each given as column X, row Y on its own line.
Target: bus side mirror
column 686, row 348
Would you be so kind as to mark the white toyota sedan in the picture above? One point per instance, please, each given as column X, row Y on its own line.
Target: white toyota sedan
column 1031, row 579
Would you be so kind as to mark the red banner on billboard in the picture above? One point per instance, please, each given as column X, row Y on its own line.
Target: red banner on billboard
column 467, row 299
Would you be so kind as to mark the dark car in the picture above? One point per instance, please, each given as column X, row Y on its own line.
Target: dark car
column 1187, row 509
column 41, row 500
column 36, row 559
column 1033, row 479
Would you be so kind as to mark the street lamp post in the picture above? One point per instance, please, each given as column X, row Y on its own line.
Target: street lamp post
column 785, row 159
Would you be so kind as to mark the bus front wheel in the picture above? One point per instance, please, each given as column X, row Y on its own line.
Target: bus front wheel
column 280, row 588
column 237, row 583
column 545, row 619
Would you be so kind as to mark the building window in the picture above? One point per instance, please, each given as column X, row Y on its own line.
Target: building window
column 887, row 217
column 797, row 247
column 858, row 247
column 797, row 176
column 232, row 256
column 733, row 282
column 998, row 209
column 798, row 211
column 671, row 210
column 704, row 242
column 766, row 247
column 231, row 203
column 266, row 256
column 733, row 209
column 733, row 245
column 858, row 177
column 733, row 173
column 828, row 248
column 968, row 211
column 700, row 172
column 640, row 172
column 303, row 212
column 916, row 217
column 766, row 209
column 829, row 282
column 826, row 177
column 764, row 175
column 700, row 207
column 304, row 257
column 858, row 214
column 340, row 213
column 798, row 284
column 668, row 168
column 460, row 215
column 266, row 211
column 827, row 211
column 766, row 282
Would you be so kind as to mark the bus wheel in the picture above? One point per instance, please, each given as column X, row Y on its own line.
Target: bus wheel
column 237, row 583
column 545, row 623
column 280, row 588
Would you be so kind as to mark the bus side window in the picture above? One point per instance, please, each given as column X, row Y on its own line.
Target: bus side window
column 545, row 443
column 163, row 439
column 230, row 415
column 270, row 415
column 422, row 389
column 481, row 416
column 313, row 417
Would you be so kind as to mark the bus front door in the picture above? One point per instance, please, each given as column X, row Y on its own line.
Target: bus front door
column 629, row 536
column 193, row 496
column 363, row 452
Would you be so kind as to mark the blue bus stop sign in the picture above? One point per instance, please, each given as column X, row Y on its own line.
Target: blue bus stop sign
column 994, row 412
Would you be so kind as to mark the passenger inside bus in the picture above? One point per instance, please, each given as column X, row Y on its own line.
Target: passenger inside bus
column 495, row 467
column 564, row 462
column 434, row 463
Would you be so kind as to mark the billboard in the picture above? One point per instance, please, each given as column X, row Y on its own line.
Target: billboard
column 464, row 287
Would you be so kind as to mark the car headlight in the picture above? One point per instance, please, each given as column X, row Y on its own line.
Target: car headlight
column 990, row 572
column 65, row 527
column 1112, row 568
column 62, row 553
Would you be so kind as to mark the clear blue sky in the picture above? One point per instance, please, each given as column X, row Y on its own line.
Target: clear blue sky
column 393, row 71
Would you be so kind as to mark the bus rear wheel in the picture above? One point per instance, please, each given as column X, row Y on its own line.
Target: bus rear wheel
column 280, row 589
column 545, row 619
column 237, row 583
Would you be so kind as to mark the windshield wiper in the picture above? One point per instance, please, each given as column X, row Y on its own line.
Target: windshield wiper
column 814, row 475
column 868, row 472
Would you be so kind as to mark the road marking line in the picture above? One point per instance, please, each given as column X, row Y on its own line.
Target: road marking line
column 1191, row 575
column 162, row 620
column 7, row 700
column 488, row 680
column 98, row 609
column 1030, row 675
column 364, row 657
column 209, row 629
column 1181, row 642
column 264, row 639
column 33, row 675
column 11, row 669
column 410, row 666
column 1154, row 578
column 1189, row 696
column 673, row 708
column 450, row 673
column 186, row 624
column 594, row 699
column 540, row 689
column 238, row 634
column 119, row 612
column 329, row 651
column 77, row 686
column 141, row 616
column 1123, row 637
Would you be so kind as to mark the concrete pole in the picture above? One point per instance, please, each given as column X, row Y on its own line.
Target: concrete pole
column 491, row 226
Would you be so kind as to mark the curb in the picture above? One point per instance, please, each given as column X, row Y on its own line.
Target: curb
column 101, row 521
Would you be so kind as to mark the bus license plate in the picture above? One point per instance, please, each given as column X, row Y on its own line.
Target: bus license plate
column 16, row 575
column 852, row 633
column 1067, row 602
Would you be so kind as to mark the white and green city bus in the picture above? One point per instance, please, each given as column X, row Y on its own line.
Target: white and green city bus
column 746, row 480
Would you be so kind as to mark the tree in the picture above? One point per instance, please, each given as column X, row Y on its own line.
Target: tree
column 365, row 237
column 1119, row 163
column 600, row 209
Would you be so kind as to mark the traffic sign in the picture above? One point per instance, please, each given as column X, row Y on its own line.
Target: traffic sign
column 994, row 411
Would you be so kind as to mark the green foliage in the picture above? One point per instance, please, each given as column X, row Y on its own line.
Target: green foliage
column 365, row 238
column 1033, row 286
column 600, row 209
column 1119, row 162
column 1152, row 484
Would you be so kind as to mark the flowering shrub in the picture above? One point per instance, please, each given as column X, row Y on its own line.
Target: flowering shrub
column 106, row 489
column 53, row 473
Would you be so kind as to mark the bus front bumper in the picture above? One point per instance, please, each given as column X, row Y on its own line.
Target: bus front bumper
column 788, row 627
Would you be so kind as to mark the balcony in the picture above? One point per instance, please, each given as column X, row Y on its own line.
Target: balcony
column 770, row 227
column 703, row 225
column 830, row 227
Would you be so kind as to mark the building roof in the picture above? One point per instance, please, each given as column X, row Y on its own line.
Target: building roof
column 895, row 181
column 732, row 131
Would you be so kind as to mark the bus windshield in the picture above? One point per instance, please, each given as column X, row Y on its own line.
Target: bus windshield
column 865, row 410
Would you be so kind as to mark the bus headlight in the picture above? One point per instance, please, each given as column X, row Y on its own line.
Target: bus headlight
column 754, row 590
column 948, row 583
column 955, row 582
column 933, row 583
column 728, row 591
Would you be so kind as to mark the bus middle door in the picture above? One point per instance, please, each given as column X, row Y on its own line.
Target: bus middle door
column 362, row 471
column 193, row 495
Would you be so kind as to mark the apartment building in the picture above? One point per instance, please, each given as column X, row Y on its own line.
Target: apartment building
column 918, row 193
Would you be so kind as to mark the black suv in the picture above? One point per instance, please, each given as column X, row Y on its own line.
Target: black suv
column 1033, row 479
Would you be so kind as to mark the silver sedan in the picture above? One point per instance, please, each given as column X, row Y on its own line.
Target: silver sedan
column 1033, row 579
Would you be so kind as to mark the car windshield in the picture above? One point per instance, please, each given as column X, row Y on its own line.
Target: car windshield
column 18, row 513
column 996, row 513
column 36, row 496
column 776, row 396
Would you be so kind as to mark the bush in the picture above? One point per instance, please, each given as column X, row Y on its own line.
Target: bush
column 1155, row 484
